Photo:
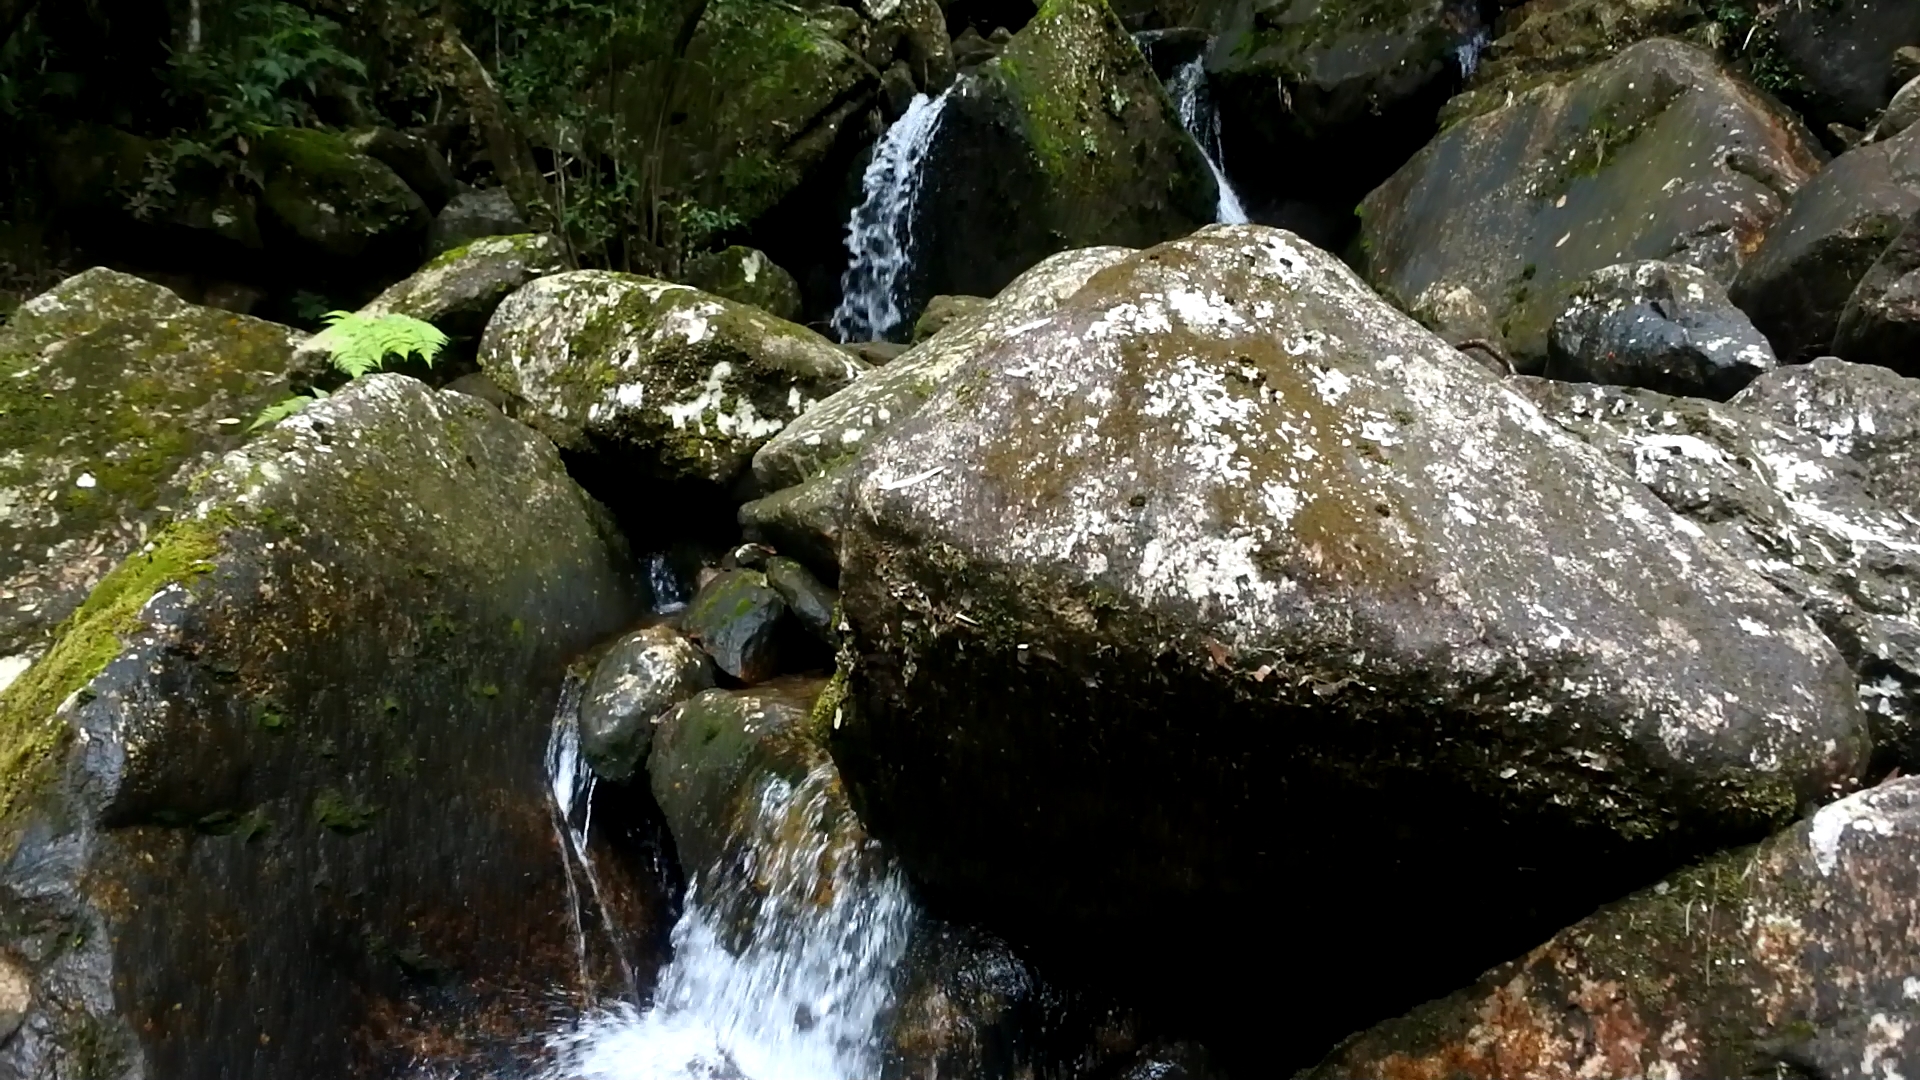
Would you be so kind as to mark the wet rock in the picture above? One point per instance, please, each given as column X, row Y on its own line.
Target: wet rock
column 1660, row 326
column 1544, row 41
column 1858, row 411
column 970, row 50
column 646, row 673
column 1787, row 958
column 1842, row 55
column 736, row 618
column 942, row 310
column 1171, row 1061
column 113, row 393
column 834, row 429
column 802, row 520
column 414, row 160
column 1065, row 140
column 1223, row 544
column 338, row 203
column 473, row 215
column 1797, row 284
column 296, row 738
column 745, row 275
column 1881, row 322
column 812, row 602
column 1654, row 154
column 748, row 556
column 1902, row 112
column 1793, row 508
column 677, row 383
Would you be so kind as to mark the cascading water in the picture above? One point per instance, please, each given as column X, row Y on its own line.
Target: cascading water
column 1195, row 106
column 783, row 964
column 880, row 234
column 570, row 784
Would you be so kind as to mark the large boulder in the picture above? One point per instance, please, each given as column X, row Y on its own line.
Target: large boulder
column 1841, row 55
column 113, row 393
column 296, row 741
column 1791, row 505
column 1881, row 322
column 474, row 215
column 1797, row 284
column 676, row 383
column 1225, row 570
column 336, row 203
column 1790, row 958
column 1859, row 411
column 1662, row 326
column 745, row 275
column 1654, row 154
column 1065, row 140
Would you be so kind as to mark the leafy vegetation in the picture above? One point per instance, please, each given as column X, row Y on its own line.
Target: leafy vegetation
column 359, row 345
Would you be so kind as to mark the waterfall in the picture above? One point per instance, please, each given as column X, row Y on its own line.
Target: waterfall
column 1467, row 53
column 570, row 785
column 783, row 964
column 1195, row 106
column 880, row 234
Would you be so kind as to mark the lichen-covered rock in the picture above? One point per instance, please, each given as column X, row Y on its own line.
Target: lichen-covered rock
column 295, row 741
column 1790, row 958
column 1654, row 154
column 736, row 618
column 1224, row 566
column 1065, row 140
column 336, row 202
column 645, row 673
column 1881, row 322
column 474, row 215
column 833, row 430
column 1796, row 510
column 678, row 383
column 1797, row 284
column 460, row 290
column 942, row 310
column 113, row 392
column 1549, row 40
column 746, row 275
column 1660, row 326
column 1860, row 411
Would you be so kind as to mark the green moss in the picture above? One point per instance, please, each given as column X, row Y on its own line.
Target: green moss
column 336, row 811
column 30, row 732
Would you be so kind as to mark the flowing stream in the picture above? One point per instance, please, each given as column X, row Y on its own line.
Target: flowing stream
column 1195, row 106
column 880, row 234
column 783, row 959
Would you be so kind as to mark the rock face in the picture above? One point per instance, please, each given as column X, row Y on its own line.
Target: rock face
column 1224, row 545
column 339, row 203
column 1065, row 140
column 1859, row 411
column 745, row 275
column 297, row 741
column 646, row 673
column 1661, row 326
column 1790, row 504
column 678, row 383
column 1798, row 283
column 833, row 431
column 1791, row 956
column 113, row 392
column 1654, row 154
column 1881, row 322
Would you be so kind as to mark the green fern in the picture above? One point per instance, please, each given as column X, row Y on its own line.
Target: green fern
column 360, row 344
column 280, row 410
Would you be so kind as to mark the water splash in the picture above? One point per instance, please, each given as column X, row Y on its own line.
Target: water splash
column 1195, row 107
column 784, row 960
column 570, row 785
column 1467, row 53
column 880, row 234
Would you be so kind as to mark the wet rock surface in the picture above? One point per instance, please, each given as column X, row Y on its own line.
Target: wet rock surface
column 1789, row 957
column 736, row 618
column 646, row 673
column 1843, row 55
column 1881, row 322
column 113, row 393
column 1660, row 326
column 672, row 382
column 1655, row 154
column 295, row 741
column 1224, row 541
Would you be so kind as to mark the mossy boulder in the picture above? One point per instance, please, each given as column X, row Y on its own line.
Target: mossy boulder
column 942, row 310
column 1789, row 956
column 1797, row 284
column 833, row 430
column 737, row 618
column 1655, row 154
column 113, row 393
column 331, row 201
column 681, row 384
column 474, row 215
column 745, row 275
column 458, row 291
column 1225, row 567
column 1065, row 140
column 296, row 740
column 803, row 521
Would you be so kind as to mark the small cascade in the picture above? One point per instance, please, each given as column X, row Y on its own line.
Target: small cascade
column 1195, row 106
column 880, row 234
column 1467, row 53
column 784, row 959
column 570, row 783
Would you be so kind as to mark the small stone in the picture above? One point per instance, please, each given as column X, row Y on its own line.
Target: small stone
column 736, row 618
column 747, row 557
column 86, row 480
column 645, row 674
column 810, row 599
column 1658, row 326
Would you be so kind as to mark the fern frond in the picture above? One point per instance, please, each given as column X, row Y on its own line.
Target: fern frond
column 360, row 344
column 279, row 411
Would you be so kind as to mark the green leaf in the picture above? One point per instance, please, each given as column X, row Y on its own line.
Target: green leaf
column 275, row 413
column 360, row 344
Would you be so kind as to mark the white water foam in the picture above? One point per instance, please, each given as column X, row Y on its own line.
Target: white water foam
column 1195, row 106
column 783, row 964
column 570, row 784
column 880, row 234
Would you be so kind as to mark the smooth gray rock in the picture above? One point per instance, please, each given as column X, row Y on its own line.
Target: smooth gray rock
column 1661, row 326
column 471, row 215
